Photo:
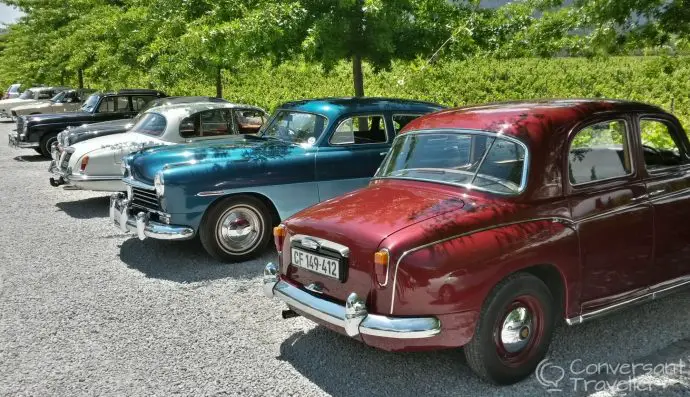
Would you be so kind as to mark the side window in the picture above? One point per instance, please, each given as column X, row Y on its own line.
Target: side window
column 206, row 124
column 360, row 130
column 248, row 121
column 599, row 151
column 139, row 102
column 46, row 94
column 658, row 145
column 401, row 120
column 107, row 105
column 122, row 104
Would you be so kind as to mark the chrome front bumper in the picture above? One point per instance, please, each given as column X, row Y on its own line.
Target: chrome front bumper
column 353, row 317
column 16, row 143
column 141, row 224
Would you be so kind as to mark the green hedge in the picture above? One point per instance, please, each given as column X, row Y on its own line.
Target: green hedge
column 658, row 80
column 663, row 81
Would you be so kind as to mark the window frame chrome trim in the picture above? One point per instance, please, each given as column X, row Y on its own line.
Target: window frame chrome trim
column 622, row 178
column 354, row 144
column 526, row 161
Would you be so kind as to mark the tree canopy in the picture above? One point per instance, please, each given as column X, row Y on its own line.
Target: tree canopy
column 120, row 43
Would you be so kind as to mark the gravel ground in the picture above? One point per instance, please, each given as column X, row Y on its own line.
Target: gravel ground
column 87, row 310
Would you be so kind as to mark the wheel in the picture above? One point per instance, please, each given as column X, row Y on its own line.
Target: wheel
column 236, row 228
column 46, row 144
column 514, row 330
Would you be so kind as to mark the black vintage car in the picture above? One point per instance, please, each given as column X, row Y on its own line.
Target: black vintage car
column 40, row 131
column 73, row 135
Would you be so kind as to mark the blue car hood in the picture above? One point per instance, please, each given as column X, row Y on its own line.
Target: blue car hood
column 207, row 155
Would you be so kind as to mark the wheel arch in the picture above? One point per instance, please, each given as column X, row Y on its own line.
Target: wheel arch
column 262, row 197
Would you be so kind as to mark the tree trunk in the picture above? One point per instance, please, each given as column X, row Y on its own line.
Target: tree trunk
column 219, row 83
column 357, row 75
column 80, row 75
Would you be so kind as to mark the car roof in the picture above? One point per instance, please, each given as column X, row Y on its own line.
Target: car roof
column 333, row 107
column 528, row 120
column 195, row 107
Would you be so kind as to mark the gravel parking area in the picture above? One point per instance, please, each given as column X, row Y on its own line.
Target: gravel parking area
column 87, row 310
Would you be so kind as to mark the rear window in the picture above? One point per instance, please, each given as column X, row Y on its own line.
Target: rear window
column 150, row 124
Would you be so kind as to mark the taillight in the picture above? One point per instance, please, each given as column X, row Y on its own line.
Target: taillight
column 381, row 264
column 279, row 233
column 84, row 162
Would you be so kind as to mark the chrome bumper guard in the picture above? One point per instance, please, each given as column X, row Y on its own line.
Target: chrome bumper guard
column 141, row 224
column 353, row 317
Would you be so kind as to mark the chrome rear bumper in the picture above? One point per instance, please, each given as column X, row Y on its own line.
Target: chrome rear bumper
column 141, row 224
column 353, row 317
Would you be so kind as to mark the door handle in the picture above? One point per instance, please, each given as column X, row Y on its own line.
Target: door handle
column 383, row 153
column 639, row 198
column 657, row 193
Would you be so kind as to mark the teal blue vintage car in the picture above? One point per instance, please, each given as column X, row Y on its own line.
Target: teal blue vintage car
column 232, row 192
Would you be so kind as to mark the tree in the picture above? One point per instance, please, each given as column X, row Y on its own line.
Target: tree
column 327, row 32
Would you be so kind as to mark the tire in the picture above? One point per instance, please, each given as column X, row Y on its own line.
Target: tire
column 46, row 144
column 488, row 354
column 232, row 215
column 38, row 150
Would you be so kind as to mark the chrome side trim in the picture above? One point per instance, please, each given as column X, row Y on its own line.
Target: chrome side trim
column 212, row 193
column 654, row 293
column 353, row 318
column 564, row 221
column 89, row 178
column 339, row 248
column 135, row 183
column 669, row 195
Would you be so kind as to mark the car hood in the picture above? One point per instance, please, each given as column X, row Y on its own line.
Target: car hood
column 58, row 117
column 90, row 131
column 34, row 105
column 367, row 216
column 237, row 149
column 13, row 101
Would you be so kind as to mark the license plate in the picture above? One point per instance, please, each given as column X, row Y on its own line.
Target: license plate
column 320, row 264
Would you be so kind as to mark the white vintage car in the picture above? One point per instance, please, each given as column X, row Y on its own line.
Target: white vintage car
column 65, row 101
column 30, row 96
column 95, row 164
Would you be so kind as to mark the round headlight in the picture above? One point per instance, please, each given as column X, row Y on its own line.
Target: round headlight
column 159, row 184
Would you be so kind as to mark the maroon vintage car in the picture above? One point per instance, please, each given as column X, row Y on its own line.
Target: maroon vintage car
column 485, row 226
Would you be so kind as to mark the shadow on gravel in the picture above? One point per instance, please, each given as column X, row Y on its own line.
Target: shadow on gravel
column 94, row 207
column 30, row 159
column 344, row 367
column 185, row 261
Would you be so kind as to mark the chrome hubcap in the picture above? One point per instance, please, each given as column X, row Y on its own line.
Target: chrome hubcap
column 239, row 229
column 516, row 331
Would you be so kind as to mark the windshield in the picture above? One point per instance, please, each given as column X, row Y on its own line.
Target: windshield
column 28, row 94
column 150, row 124
column 484, row 161
column 58, row 97
column 90, row 103
column 296, row 127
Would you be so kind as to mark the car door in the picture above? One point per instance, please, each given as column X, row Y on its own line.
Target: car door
column 664, row 151
column 609, row 205
column 352, row 153
column 113, row 108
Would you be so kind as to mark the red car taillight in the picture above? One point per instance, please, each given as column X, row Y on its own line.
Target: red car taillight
column 279, row 233
column 84, row 163
column 381, row 265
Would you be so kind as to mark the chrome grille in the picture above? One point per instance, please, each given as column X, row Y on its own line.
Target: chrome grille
column 146, row 199
column 64, row 160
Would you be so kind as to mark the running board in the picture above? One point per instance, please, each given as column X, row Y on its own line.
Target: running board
column 648, row 297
